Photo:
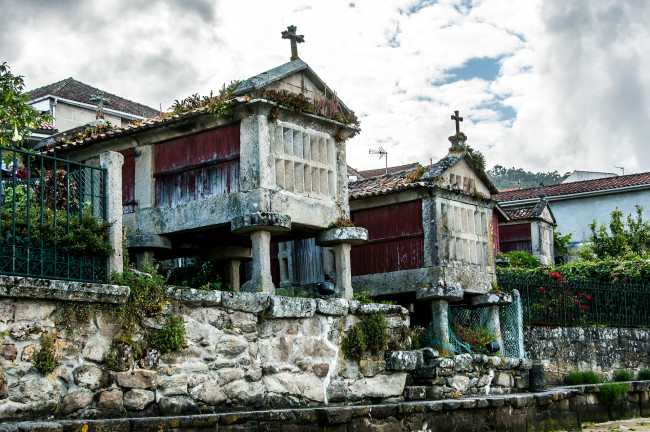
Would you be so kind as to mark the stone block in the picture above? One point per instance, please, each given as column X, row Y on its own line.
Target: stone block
column 137, row 379
column 76, row 400
column 8, row 352
column 260, row 221
column 90, row 377
column 178, row 406
column 492, row 299
column 336, row 307
column 55, row 289
column 208, row 392
column 95, row 350
column 291, row 307
column 463, row 362
column 173, row 385
column 370, row 367
column 3, row 385
column 381, row 386
column 415, row 393
column 245, row 302
column 403, row 360
column 441, row 291
column 459, row 383
column 138, row 399
column 111, row 399
column 194, row 297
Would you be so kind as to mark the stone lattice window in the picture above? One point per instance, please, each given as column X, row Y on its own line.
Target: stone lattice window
column 465, row 234
column 305, row 162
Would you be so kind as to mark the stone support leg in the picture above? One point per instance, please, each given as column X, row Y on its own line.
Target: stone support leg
column 493, row 324
column 112, row 162
column 343, row 270
column 261, row 280
column 520, row 323
column 144, row 260
column 233, row 274
column 440, row 321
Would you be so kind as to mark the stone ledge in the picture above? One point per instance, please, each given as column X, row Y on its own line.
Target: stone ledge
column 350, row 235
column 56, row 289
column 272, row 222
column 291, row 307
column 194, row 297
column 493, row 299
column 442, row 291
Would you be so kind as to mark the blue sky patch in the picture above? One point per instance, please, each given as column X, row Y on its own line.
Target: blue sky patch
column 486, row 68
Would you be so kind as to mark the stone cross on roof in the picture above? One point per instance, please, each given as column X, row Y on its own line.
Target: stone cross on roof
column 290, row 33
column 458, row 119
column 99, row 96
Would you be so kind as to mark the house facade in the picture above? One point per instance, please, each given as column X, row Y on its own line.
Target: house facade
column 577, row 204
column 72, row 103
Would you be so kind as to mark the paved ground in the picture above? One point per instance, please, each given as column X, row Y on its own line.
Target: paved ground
column 640, row 425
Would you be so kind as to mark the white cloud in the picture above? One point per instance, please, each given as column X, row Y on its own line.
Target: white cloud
column 573, row 72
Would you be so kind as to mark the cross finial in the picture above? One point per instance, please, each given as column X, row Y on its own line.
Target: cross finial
column 542, row 194
column 457, row 119
column 99, row 96
column 290, row 33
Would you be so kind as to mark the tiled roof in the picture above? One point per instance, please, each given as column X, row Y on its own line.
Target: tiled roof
column 46, row 126
column 382, row 185
column 50, row 145
column 527, row 211
column 77, row 91
column 609, row 183
column 381, row 171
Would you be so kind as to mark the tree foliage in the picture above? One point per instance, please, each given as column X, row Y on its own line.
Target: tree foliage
column 616, row 240
column 16, row 116
column 507, row 178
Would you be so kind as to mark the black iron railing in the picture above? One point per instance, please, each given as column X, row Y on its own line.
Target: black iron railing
column 52, row 217
column 549, row 300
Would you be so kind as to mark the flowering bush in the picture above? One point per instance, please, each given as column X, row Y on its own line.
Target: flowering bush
column 557, row 303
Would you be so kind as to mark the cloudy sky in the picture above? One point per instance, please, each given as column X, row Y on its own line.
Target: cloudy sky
column 542, row 85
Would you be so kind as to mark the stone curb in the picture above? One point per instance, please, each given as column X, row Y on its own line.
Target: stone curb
column 54, row 289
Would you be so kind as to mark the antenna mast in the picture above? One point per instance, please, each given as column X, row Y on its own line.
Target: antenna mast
column 381, row 152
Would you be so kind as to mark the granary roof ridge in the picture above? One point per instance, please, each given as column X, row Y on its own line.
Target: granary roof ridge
column 384, row 184
column 74, row 90
column 254, row 84
column 452, row 159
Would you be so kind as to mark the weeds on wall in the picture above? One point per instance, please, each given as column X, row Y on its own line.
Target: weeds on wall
column 370, row 335
column 612, row 392
column 579, row 378
column 622, row 375
column 171, row 336
column 644, row 375
column 46, row 360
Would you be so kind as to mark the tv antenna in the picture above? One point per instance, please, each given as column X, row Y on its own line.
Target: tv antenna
column 621, row 168
column 381, row 152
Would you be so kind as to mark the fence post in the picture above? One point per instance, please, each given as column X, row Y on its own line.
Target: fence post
column 520, row 323
column 112, row 162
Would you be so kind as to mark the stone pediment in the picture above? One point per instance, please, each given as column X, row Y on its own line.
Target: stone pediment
column 294, row 77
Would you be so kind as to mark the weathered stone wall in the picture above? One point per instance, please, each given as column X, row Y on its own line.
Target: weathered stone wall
column 241, row 349
column 559, row 409
column 603, row 350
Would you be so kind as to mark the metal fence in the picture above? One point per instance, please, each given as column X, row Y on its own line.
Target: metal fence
column 49, row 211
column 558, row 302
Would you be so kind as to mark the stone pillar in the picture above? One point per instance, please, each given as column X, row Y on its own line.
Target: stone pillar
column 144, row 181
column 112, row 162
column 143, row 246
column 520, row 323
column 343, row 269
column 492, row 302
column 233, row 274
column 341, row 240
column 260, row 226
column 439, row 297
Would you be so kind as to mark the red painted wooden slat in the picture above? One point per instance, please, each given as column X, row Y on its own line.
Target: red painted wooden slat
column 515, row 238
column 495, row 233
column 191, row 178
column 396, row 239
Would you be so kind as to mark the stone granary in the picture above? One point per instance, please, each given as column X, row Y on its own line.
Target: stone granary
column 264, row 159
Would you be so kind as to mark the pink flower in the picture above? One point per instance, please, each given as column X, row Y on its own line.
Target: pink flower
column 542, row 289
column 584, row 307
column 588, row 297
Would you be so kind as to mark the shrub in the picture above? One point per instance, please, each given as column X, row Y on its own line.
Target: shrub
column 522, row 259
column 354, row 343
column 578, row 378
column 363, row 297
column 612, row 392
column 171, row 336
column 45, row 359
column 375, row 332
column 622, row 375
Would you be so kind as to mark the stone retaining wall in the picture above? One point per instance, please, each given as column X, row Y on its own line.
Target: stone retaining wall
column 603, row 350
column 559, row 409
column 241, row 350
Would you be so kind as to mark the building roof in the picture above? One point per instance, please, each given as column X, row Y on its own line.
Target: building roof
column 602, row 184
column 74, row 90
column 384, row 184
column 381, row 171
column 526, row 211
column 409, row 179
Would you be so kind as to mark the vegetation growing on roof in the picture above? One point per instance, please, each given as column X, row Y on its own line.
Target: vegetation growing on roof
column 218, row 104
column 415, row 175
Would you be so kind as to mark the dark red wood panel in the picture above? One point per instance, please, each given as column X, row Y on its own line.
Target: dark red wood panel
column 396, row 239
column 197, row 166
column 515, row 238
column 128, row 180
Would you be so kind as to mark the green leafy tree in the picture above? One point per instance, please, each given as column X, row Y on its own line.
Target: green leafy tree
column 560, row 243
column 506, row 178
column 16, row 116
column 616, row 240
